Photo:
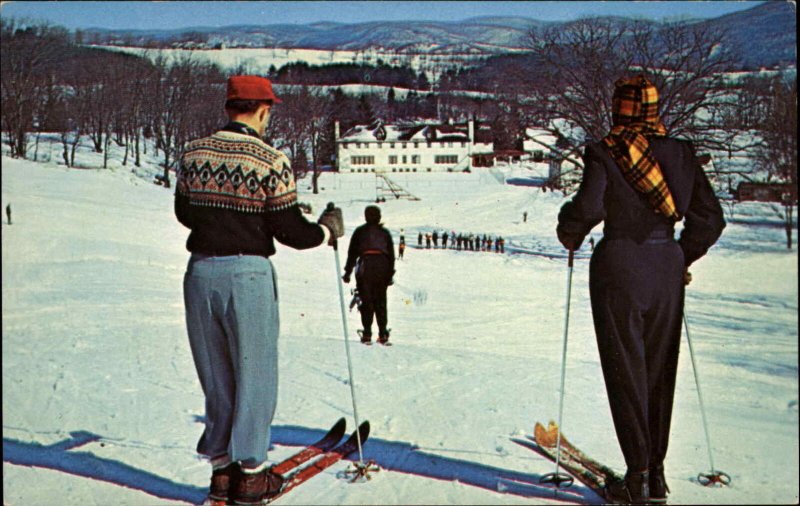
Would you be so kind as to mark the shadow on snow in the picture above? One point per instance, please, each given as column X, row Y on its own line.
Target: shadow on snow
column 389, row 455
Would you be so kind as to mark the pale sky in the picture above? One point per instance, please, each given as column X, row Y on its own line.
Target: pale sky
column 170, row 15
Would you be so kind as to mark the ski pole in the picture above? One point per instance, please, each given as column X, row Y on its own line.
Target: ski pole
column 347, row 344
column 714, row 476
column 560, row 479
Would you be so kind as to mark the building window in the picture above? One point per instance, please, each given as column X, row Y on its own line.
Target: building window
column 392, row 159
column 344, row 145
column 405, row 159
column 391, row 145
column 362, row 160
column 538, row 155
column 463, row 144
column 449, row 159
column 416, row 145
column 404, row 145
column 414, row 158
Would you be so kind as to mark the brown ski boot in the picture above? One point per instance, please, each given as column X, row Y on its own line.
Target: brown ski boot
column 255, row 487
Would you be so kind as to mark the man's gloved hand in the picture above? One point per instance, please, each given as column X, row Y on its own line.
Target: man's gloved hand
column 346, row 277
column 332, row 219
column 687, row 277
column 569, row 241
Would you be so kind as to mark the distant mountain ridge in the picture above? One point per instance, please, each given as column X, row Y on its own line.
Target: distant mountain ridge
column 764, row 35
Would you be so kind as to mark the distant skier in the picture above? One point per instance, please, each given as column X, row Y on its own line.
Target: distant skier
column 502, row 243
column 638, row 272
column 8, row 214
column 229, row 289
column 371, row 253
column 419, row 240
column 525, row 217
column 444, row 240
column 401, row 247
column 435, row 239
column 428, row 241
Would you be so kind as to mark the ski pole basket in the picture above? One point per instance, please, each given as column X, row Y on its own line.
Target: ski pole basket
column 560, row 480
column 714, row 478
column 360, row 472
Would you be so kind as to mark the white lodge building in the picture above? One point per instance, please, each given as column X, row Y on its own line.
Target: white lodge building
column 413, row 148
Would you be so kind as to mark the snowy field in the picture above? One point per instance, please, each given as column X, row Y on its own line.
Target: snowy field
column 101, row 403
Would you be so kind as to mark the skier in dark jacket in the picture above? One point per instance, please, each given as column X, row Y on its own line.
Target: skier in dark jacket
column 640, row 182
column 371, row 253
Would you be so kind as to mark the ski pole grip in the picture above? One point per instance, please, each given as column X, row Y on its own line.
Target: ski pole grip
column 571, row 258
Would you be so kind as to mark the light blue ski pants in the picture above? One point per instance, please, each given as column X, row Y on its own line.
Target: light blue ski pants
column 232, row 321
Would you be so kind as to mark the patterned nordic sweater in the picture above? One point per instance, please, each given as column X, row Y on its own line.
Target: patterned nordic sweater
column 236, row 194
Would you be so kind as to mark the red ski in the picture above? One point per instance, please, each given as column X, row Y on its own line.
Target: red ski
column 327, row 459
column 328, row 441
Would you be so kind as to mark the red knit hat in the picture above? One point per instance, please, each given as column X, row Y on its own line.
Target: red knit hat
column 250, row 88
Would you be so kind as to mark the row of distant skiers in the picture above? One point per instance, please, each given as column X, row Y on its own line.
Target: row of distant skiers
column 467, row 242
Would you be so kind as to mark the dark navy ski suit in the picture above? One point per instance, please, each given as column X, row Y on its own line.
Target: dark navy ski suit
column 636, row 285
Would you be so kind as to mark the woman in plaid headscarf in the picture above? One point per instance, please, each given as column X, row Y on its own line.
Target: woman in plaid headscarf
column 640, row 182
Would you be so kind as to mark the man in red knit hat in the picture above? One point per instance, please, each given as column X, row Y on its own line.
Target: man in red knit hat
column 236, row 194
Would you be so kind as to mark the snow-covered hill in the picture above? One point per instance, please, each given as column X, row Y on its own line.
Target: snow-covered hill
column 101, row 404
column 764, row 35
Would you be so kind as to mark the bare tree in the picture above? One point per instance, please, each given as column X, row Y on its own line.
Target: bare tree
column 574, row 68
column 173, row 91
column 290, row 125
column 778, row 154
column 27, row 51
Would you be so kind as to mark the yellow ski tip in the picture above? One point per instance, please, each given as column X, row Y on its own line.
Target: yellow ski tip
column 548, row 436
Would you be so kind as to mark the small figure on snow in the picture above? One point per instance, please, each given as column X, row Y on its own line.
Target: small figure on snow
column 637, row 276
column 371, row 254
column 8, row 214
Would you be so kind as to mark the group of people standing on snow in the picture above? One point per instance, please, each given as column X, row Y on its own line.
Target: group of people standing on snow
column 461, row 241
column 637, row 179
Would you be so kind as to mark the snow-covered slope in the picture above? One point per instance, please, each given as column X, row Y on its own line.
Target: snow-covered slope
column 101, row 404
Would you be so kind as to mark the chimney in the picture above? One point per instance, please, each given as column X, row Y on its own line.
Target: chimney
column 471, row 131
column 336, row 130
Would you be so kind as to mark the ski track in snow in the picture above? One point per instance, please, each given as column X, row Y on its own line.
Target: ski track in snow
column 102, row 405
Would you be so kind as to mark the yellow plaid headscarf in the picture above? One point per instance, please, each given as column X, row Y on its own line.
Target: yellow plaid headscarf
column 634, row 115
